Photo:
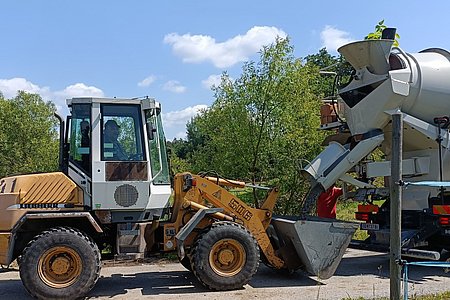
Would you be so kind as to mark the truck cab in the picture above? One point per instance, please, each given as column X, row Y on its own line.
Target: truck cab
column 117, row 155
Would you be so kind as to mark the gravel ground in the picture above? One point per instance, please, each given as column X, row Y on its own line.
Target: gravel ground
column 360, row 274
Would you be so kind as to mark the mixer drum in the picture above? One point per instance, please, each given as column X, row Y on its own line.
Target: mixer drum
column 387, row 78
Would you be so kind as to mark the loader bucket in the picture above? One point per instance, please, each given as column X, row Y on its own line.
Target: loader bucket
column 312, row 243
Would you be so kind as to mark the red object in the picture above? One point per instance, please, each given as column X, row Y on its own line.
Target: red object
column 326, row 204
column 444, row 221
column 362, row 216
column 368, row 208
column 441, row 209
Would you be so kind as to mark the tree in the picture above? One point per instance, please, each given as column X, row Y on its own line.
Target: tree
column 328, row 85
column 264, row 124
column 28, row 135
column 376, row 35
column 179, row 153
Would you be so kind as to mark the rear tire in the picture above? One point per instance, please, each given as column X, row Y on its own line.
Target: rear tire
column 60, row 263
column 226, row 257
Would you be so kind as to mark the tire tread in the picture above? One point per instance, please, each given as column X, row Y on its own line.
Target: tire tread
column 29, row 253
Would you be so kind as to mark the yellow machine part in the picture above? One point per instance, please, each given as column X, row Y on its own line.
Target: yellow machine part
column 206, row 191
column 4, row 247
column 19, row 194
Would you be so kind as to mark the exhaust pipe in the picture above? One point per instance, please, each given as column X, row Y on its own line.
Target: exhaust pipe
column 62, row 164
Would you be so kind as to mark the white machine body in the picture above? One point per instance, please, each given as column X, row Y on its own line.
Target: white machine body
column 388, row 80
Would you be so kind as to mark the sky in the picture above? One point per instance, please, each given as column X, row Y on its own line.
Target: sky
column 174, row 51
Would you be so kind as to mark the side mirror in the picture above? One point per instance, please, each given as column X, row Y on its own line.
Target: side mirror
column 150, row 131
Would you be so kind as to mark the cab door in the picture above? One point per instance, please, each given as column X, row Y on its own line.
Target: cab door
column 80, row 154
column 120, row 182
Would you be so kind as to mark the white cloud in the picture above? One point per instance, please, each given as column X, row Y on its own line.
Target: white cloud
column 74, row 90
column 80, row 90
column 147, row 81
column 174, row 120
column 181, row 117
column 9, row 88
column 174, row 87
column 215, row 80
column 212, row 80
column 181, row 135
column 200, row 48
column 333, row 38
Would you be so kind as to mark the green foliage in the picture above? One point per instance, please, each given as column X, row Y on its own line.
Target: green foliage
column 328, row 85
column 437, row 296
column 263, row 125
column 185, row 153
column 376, row 35
column 179, row 153
column 127, row 137
column 28, row 135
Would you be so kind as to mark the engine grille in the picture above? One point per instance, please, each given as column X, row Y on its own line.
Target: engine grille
column 126, row 195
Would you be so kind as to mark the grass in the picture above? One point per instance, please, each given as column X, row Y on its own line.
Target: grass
column 345, row 210
column 438, row 296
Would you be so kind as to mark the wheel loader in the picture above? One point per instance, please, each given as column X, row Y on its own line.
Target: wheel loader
column 387, row 80
column 113, row 194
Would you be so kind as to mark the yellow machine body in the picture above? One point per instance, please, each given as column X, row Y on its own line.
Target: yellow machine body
column 36, row 192
column 207, row 192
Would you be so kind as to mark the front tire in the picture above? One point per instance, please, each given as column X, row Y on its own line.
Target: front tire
column 226, row 257
column 60, row 263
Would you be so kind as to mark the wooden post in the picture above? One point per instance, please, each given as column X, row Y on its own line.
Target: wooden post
column 395, row 205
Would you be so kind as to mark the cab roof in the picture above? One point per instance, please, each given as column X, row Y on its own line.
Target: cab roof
column 146, row 102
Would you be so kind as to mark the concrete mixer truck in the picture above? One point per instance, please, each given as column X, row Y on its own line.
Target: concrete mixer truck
column 387, row 80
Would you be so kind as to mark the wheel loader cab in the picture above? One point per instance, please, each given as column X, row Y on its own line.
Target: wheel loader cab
column 117, row 155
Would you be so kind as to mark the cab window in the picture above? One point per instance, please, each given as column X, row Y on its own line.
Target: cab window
column 122, row 138
column 80, row 137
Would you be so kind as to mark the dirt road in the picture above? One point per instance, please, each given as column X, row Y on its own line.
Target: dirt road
column 360, row 273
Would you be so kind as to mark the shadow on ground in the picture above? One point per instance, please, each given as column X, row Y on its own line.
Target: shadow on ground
column 184, row 282
column 378, row 265
column 12, row 288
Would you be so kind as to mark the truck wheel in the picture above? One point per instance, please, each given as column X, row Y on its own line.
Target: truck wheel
column 60, row 263
column 226, row 257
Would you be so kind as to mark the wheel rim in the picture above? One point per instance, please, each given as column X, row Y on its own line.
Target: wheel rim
column 59, row 267
column 227, row 257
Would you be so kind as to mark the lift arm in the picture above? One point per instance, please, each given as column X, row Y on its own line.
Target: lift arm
column 201, row 190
